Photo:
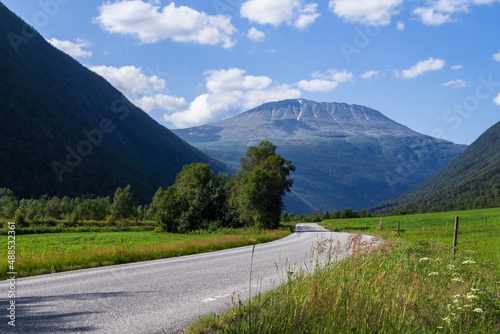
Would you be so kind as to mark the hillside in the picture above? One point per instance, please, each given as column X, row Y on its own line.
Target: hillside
column 471, row 181
column 346, row 155
column 64, row 130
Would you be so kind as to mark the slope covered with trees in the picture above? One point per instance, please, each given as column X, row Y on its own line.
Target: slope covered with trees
column 64, row 130
column 472, row 181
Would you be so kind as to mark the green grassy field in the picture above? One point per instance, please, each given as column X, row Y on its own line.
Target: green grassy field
column 479, row 230
column 410, row 283
column 53, row 252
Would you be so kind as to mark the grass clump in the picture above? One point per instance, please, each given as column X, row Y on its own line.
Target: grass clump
column 396, row 287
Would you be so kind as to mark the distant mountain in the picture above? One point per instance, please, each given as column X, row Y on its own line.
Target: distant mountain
column 64, row 130
column 472, row 181
column 346, row 155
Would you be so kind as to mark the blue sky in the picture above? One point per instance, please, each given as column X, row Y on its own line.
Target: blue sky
column 433, row 65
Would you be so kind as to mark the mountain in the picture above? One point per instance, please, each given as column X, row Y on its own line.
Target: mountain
column 65, row 130
column 345, row 155
column 472, row 181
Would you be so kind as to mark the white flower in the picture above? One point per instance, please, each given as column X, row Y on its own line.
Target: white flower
column 457, row 279
column 468, row 262
column 433, row 273
column 451, row 266
column 478, row 310
column 425, row 259
column 471, row 296
column 472, row 289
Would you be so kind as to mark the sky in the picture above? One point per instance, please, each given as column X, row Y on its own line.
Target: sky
column 432, row 65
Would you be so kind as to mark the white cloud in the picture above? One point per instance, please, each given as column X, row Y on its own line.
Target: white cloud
column 150, row 23
column 161, row 101
column 400, row 25
column 420, row 68
column 438, row 12
column 456, row 67
column 228, row 92
column 295, row 13
column 496, row 56
column 75, row 50
column 459, row 83
column 324, row 82
column 130, row 80
column 370, row 12
column 147, row 92
column 372, row 74
column 497, row 100
column 256, row 35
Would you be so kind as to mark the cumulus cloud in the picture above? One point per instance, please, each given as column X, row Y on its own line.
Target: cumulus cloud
column 147, row 92
column 420, row 68
column 230, row 90
column 256, row 35
column 497, row 100
column 295, row 13
column 438, row 12
column 324, row 82
column 459, row 83
column 400, row 25
column 496, row 56
column 150, row 23
column 372, row 74
column 456, row 67
column 130, row 80
column 75, row 50
column 370, row 12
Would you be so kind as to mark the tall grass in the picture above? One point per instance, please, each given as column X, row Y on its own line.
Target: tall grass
column 397, row 287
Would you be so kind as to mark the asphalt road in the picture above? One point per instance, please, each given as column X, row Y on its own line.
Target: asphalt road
column 161, row 296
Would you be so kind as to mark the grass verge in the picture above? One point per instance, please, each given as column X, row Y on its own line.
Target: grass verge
column 398, row 287
column 411, row 283
column 49, row 253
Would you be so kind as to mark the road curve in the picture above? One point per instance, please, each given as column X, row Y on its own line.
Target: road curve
column 160, row 296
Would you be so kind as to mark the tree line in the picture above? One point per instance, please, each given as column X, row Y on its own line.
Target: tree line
column 198, row 199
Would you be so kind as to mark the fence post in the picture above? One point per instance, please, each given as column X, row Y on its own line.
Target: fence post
column 455, row 236
column 398, row 226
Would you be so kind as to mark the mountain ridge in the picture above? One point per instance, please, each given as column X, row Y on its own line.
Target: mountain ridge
column 351, row 155
column 48, row 101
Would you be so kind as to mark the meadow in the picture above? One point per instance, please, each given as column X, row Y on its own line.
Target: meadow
column 54, row 252
column 408, row 283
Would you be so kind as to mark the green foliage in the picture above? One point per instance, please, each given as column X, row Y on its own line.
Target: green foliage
column 197, row 200
column 260, row 184
column 123, row 203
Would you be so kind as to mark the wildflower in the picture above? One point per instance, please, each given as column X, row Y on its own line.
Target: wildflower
column 468, row 262
column 468, row 305
column 459, row 308
column 457, row 279
column 437, row 259
column 447, row 319
column 472, row 289
column 471, row 296
column 451, row 266
column 440, row 327
column 478, row 310
column 425, row 259
column 433, row 273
